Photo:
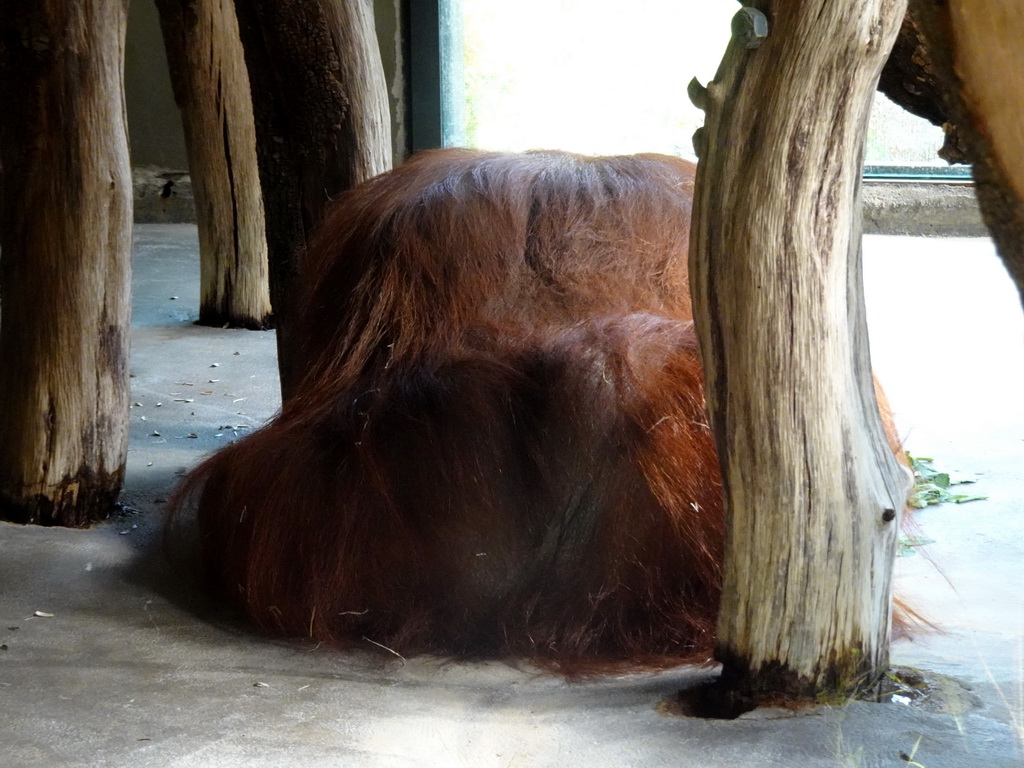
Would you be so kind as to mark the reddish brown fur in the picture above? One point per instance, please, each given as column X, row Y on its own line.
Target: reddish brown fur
column 500, row 446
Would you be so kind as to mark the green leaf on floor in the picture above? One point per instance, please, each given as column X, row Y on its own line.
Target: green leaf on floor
column 932, row 487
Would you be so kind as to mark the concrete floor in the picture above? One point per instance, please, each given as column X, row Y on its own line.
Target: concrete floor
column 134, row 669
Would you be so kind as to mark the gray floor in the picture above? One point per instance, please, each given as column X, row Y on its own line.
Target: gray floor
column 133, row 669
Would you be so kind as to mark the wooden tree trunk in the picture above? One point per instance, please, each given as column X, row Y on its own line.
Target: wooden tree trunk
column 812, row 490
column 908, row 77
column 211, row 86
column 65, row 246
column 976, row 48
column 322, row 125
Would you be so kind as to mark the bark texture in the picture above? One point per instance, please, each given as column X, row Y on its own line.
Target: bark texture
column 911, row 79
column 211, row 86
column 322, row 125
column 812, row 490
column 976, row 50
column 65, row 245
column 908, row 77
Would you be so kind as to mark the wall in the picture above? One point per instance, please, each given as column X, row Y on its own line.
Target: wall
column 154, row 123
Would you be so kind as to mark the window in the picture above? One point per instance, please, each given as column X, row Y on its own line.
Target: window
column 599, row 76
column 603, row 76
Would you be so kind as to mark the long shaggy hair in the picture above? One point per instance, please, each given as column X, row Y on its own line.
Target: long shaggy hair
column 499, row 446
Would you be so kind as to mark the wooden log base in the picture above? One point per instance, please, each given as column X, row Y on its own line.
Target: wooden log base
column 720, row 699
column 77, row 502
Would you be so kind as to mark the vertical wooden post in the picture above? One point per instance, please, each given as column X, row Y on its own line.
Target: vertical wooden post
column 322, row 126
column 812, row 490
column 975, row 49
column 211, row 86
column 65, row 256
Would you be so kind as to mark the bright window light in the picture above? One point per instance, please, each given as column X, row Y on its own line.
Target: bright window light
column 606, row 77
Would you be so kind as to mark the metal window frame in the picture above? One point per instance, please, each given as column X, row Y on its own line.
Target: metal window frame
column 434, row 55
column 950, row 174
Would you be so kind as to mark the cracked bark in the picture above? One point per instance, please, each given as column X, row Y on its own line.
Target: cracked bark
column 211, row 87
column 810, row 483
column 65, row 255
